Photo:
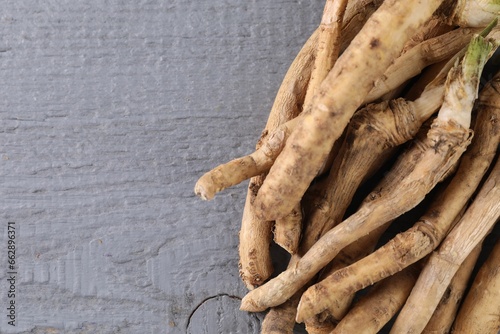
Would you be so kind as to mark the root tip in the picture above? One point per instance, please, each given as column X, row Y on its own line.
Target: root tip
column 304, row 309
column 247, row 304
column 291, row 249
column 200, row 191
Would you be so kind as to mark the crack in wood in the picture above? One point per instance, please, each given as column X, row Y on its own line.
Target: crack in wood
column 206, row 300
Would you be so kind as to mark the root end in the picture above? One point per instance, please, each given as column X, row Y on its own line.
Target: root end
column 200, row 191
column 247, row 304
column 303, row 309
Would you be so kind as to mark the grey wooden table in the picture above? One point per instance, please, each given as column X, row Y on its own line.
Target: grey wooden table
column 109, row 112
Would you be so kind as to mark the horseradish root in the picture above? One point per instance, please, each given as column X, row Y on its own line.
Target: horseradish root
column 382, row 119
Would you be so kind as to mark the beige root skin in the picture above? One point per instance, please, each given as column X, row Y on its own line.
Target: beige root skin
column 365, row 60
column 285, row 313
column 346, row 281
column 388, row 125
column 352, row 253
column 422, row 55
column 327, row 52
column 428, row 75
column 380, row 304
column 434, row 157
column 325, row 322
column 327, row 48
column 445, row 312
column 355, row 159
column 277, row 320
column 421, row 239
column 412, row 245
column 480, row 311
column 281, row 318
column 394, row 123
column 255, row 265
column 356, row 15
column 432, row 28
column 287, row 230
column 322, row 324
column 372, row 134
column 444, row 263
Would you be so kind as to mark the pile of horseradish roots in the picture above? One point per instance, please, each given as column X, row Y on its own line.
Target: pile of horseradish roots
column 392, row 86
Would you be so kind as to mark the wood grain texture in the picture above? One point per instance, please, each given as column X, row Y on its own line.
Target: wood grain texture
column 109, row 112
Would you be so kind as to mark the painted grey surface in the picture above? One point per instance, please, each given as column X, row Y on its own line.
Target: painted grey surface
column 109, row 112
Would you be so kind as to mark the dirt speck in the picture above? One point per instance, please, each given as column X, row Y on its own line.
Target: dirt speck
column 375, row 42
